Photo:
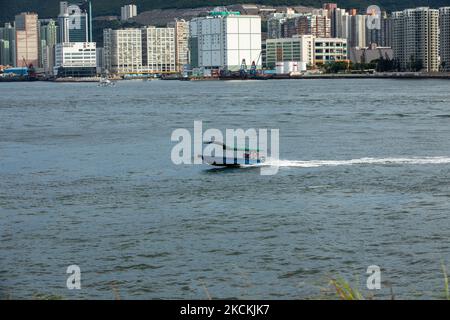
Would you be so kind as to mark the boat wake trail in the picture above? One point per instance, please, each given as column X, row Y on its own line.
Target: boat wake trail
column 361, row 161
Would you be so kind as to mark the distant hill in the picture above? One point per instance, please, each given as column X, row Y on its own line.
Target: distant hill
column 49, row 8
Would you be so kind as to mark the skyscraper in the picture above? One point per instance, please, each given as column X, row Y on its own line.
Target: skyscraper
column 27, row 39
column 181, row 42
column 75, row 21
column 8, row 45
column 49, row 36
column 416, row 39
column 444, row 25
column 357, row 34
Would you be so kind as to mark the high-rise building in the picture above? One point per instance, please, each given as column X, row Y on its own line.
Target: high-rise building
column 275, row 23
column 385, row 31
column 181, row 42
column 416, row 39
column 340, row 23
column 75, row 21
column 444, row 25
column 75, row 59
column 27, row 39
column 127, row 12
column 158, row 50
column 357, row 32
column 225, row 40
column 149, row 50
column 48, row 39
column 123, row 50
column 5, row 53
column 316, row 25
column 8, row 45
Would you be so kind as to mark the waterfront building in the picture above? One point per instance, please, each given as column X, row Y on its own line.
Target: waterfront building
column 299, row 49
column 140, row 51
column 127, row 12
column 158, row 50
column 329, row 50
column 75, row 59
column 7, row 45
column 75, row 21
column 223, row 40
column 27, row 39
column 444, row 25
column 305, row 48
column 181, row 43
column 416, row 39
column 123, row 51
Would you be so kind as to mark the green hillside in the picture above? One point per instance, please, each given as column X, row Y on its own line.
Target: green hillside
column 49, row 8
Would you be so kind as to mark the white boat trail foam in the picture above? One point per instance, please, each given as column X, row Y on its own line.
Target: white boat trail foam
column 360, row 161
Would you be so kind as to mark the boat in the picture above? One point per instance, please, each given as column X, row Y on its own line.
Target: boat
column 105, row 82
column 250, row 157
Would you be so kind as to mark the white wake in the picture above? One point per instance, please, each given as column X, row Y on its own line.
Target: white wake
column 360, row 161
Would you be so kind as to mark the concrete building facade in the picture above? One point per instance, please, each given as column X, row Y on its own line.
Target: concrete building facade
column 27, row 39
column 305, row 48
column 8, row 45
column 416, row 39
column 158, row 50
column 224, row 40
column 181, row 43
column 75, row 59
column 329, row 50
column 123, row 50
column 299, row 49
column 444, row 26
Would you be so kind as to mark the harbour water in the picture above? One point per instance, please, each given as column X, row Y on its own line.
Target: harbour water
column 86, row 179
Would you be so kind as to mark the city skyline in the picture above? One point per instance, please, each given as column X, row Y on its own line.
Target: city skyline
column 185, row 45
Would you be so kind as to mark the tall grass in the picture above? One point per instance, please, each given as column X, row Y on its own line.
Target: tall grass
column 446, row 290
column 345, row 291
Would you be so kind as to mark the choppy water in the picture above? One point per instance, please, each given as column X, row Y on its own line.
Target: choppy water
column 86, row 179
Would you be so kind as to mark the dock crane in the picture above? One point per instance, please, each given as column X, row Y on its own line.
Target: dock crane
column 30, row 68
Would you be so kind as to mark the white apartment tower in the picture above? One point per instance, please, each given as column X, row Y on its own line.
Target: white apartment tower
column 225, row 39
column 127, row 12
column 158, row 50
column 123, row 51
column 416, row 39
column 181, row 43
column 444, row 26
